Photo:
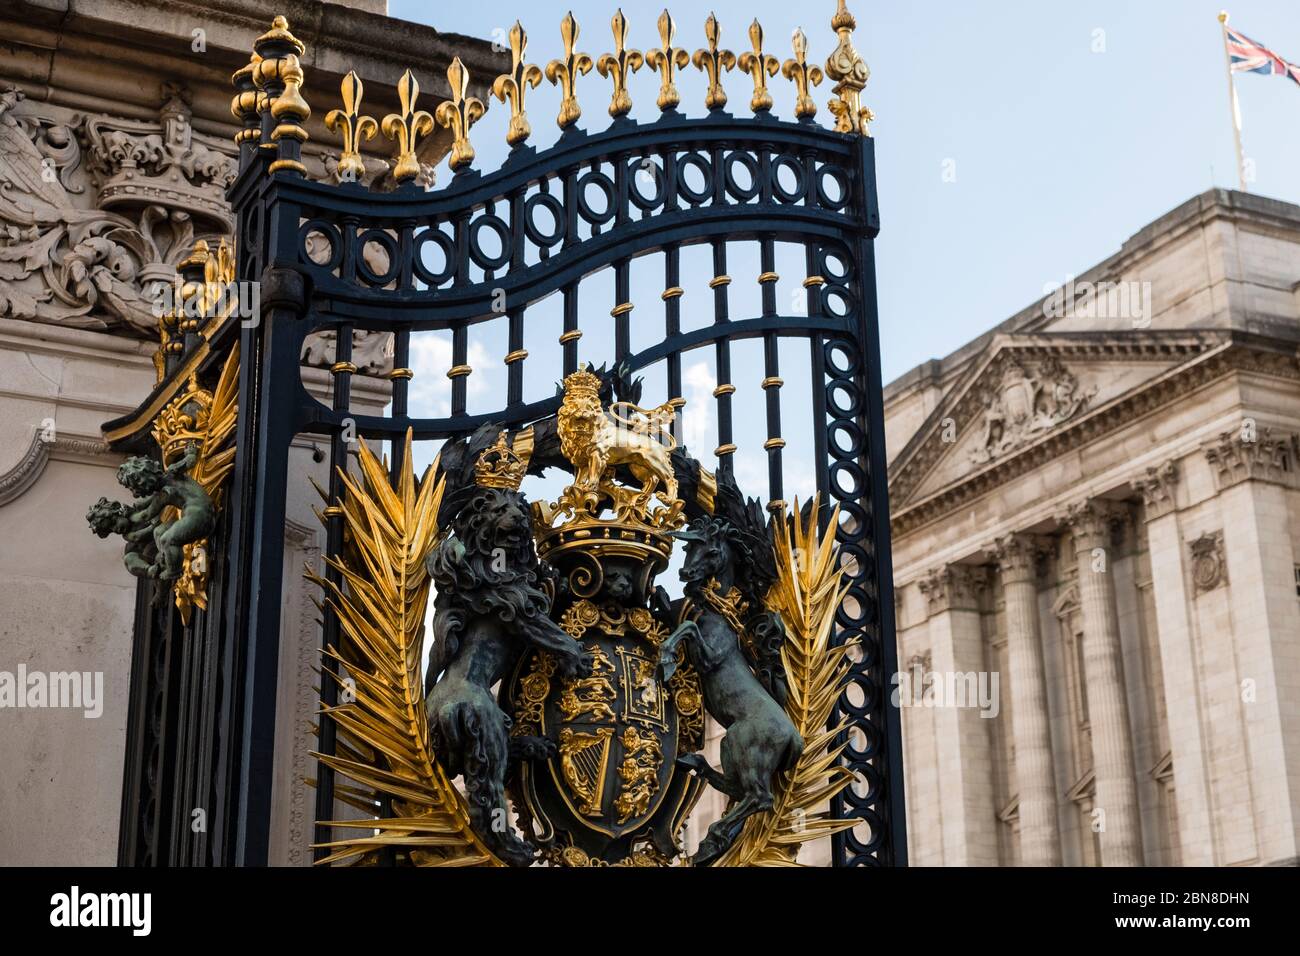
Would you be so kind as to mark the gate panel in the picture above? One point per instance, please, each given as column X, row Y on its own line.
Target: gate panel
column 342, row 259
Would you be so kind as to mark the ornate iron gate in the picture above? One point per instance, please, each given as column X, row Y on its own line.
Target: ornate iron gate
column 547, row 223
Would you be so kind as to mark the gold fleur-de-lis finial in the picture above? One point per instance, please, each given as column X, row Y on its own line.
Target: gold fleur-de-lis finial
column 667, row 59
column 458, row 114
column 407, row 128
column 804, row 75
column 513, row 85
column 566, row 72
column 714, row 62
column 760, row 66
column 353, row 127
column 849, row 71
column 617, row 65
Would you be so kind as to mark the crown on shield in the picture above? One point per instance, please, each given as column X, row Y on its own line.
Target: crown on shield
column 596, row 514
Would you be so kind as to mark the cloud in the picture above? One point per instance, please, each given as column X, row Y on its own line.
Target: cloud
column 430, row 392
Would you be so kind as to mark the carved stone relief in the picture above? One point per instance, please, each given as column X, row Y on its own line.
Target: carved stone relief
column 97, row 211
column 1209, row 569
column 1026, row 403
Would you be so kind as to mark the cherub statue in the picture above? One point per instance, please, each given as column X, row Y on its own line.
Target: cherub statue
column 171, row 487
column 135, row 525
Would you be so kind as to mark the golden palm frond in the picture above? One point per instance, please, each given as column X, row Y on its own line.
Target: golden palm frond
column 217, row 456
column 806, row 595
column 383, row 728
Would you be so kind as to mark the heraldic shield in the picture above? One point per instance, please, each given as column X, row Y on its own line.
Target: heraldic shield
column 618, row 730
column 613, row 780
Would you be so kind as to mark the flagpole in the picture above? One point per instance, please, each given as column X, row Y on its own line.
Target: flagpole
column 1233, row 106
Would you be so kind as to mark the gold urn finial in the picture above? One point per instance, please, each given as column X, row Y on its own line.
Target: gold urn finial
column 714, row 62
column 353, row 127
column 407, row 128
column 804, row 76
column 849, row 71
column 458, row 114
column 565, row 72
column 759, row 66
column 513, row 85
column 247, row 103
column 618, row 65
column 279, row 75
column 667, row 59
column 279, row 33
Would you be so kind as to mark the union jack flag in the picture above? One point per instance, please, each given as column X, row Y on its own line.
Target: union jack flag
column 1247, row 56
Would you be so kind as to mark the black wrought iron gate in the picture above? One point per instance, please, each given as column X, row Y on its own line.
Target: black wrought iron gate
column 548, row 223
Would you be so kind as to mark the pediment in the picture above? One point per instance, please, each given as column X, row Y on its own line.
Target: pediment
column 1024, row 389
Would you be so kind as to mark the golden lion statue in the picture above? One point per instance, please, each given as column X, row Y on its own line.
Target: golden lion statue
column 595, row 440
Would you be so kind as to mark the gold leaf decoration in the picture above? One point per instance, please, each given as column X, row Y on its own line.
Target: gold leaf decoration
column 383, row 743
column 807, row 592
column 207, row 419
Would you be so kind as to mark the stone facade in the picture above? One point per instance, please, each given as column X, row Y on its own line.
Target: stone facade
column 115, row 151
column 1121, row 464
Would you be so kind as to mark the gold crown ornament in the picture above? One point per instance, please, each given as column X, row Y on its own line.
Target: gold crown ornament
column 505, row 465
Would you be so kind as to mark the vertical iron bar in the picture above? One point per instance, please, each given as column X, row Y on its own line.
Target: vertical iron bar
column 622, row 311
column 726, row 449
column 672, row 297
column 817, row 347
column 571, row 334
column 771, row 377
column 328, row 732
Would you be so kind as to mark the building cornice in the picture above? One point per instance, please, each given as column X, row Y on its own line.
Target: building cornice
column 964, row 402
column 1247, row 209
column 1222, row 353
column 75, row 53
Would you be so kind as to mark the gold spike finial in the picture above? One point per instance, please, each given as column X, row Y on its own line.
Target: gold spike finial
column 803, row 74
column 849, row 71
column 667, row 59
column 353, row 127
column 759, row 66
column 512, row 86
column 714, row 62
column 406, row 128
column 617, row 65
column 458, row 114
column 565, row 72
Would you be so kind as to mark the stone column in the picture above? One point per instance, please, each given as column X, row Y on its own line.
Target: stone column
column 1112, row 742
column 1040, row 837
column 1255, row 474
column 1178, row 662
column 963, row 741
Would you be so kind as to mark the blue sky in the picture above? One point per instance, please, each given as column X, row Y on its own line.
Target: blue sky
column 1064, row 140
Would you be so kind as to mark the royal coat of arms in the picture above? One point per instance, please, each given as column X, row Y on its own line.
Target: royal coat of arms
column 563, row 713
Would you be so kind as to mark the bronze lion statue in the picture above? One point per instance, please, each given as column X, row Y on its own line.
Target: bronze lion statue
column 488, row 610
